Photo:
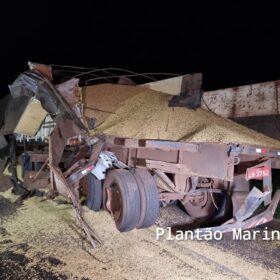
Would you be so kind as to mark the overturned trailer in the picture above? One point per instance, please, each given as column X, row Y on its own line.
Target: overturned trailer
column 131, row 149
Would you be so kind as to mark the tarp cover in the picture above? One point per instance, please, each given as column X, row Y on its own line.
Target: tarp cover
column 136, row 112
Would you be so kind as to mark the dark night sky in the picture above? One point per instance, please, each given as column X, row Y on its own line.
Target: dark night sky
column 232, row 44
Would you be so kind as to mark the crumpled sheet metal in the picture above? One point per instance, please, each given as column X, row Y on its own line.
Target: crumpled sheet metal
column 245, row 221
column 34, row 84
column 31, row 83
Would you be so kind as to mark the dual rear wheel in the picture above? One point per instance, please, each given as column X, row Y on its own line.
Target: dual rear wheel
column 94, row 192
column 131, row 197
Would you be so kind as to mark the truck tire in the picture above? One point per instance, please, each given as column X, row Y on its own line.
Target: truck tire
column 122, row 199
column 94, row 192
column 148, row 196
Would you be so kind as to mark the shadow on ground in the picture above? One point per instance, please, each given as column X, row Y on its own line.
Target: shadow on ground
column 14, row 261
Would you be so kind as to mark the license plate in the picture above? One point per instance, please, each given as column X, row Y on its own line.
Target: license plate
column 258, row 173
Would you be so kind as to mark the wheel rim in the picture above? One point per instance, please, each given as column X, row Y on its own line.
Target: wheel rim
column 114, row 202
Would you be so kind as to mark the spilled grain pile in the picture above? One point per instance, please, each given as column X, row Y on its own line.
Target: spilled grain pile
column 42, row 240
column 134, row 112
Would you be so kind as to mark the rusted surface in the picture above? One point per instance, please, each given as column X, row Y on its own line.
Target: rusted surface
column 245, row 101
column 171, row 145
column 64, row 130
column 204, row 160
column 70, row 91
column 33, row 180
column 44, row 69
column 88, row 167
column 32, row 83
column 190, row 96
column 178, row 158
column 239, row 190
column 153, row 154
column 257, row 220
column 60, row 180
